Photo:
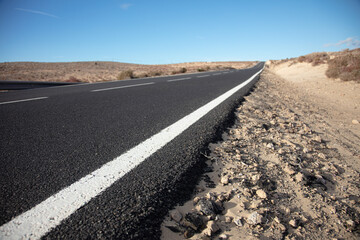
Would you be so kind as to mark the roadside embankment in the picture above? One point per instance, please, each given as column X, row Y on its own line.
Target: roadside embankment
column 288, row 169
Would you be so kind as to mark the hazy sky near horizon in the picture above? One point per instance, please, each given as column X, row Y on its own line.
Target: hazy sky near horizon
column 169, row 31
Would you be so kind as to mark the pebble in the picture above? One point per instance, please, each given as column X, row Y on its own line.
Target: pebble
column 261, row 194
column 211, row 228
column 238, row 222
column 228, row 219
column 193, row 220
column 299, row 177
column 355, row 121
column 289, row 170
column 254, row 218
column 293, row 223
column 176, row 215
column 207, row 207
column 223, row 236
column 224, row 180
column 317, row 139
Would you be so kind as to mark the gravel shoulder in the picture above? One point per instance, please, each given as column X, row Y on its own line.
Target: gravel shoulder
column 288, row 169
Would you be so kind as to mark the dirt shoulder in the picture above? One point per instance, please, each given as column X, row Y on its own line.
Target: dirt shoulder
column 288, row 169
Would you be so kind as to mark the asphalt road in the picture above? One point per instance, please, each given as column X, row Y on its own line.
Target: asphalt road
column 54, row 137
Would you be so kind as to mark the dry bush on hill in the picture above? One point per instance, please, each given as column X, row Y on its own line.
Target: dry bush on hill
column 128, row 74
column 345, row 66
column 315, row 58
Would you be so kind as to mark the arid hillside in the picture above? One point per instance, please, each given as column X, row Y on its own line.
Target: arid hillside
column 103, row 71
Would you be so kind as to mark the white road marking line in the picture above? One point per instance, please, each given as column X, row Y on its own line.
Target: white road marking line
column 203, row 76
column 215, row 74
column 178, row 79
column 24, row 100
column 127, row 86
column 39, row 220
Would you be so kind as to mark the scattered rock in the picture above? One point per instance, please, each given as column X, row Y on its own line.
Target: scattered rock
column 189, row 233
column 293, row 223
column 317, row 139
column 254, row 218
column 261, row 194
column 207, row 207
column 299, row 177
column 193, row 220
column 238, row 221
column 196, row 200
column 223, row 237
column 228, row 219
column 211, row 228
column 176, row 215
column 288, row 169
column 355, row 121
column 224, row 180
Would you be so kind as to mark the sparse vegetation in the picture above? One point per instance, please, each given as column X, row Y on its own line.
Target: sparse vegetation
column 345, row 66
column 73, row 79
column 315, row 58
column 181, row 70
column 204, row 69
column 128, row 74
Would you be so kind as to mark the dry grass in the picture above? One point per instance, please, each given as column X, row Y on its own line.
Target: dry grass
column 345, row 66
column 128, row 74
column 103, row 71
column 315, row 58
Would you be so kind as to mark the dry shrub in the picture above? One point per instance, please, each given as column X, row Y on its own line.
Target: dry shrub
column 181, row 70
column 128, row 74
column 345, row 66
column 314, row 58
column 155, row 74
column 73, row 80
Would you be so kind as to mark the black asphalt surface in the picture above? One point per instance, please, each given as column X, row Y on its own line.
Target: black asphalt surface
column 48, row 144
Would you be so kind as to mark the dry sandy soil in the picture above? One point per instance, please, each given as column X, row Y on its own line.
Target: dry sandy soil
column 289, row 168
column 100, row 71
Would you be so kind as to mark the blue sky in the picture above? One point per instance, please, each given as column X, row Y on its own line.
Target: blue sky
column 170, row 31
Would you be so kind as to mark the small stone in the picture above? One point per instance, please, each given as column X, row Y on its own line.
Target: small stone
column 305, row 150
column 299, row 177
column 224, row 180
column 223, row 236
column 228, row 219
column 188, row 234
column 270, row 146
column 281, row 151
column 321, row 155
column 261, row 194
column 287, row 211
column 208, row 207
column 350, row 223
column 355, row 121
column 254, row 218
column 293, row 223
column 276, row 219
column 176, row 215
column 282, row 228
column 317, row 139
column 193, row 220
column 255, row 204
column 256, row 177
column 238, row 222
column 196, row 200
column 211, row 228
column 288, row 169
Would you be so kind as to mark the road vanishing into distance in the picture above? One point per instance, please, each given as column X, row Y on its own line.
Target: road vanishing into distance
column 108, row 160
